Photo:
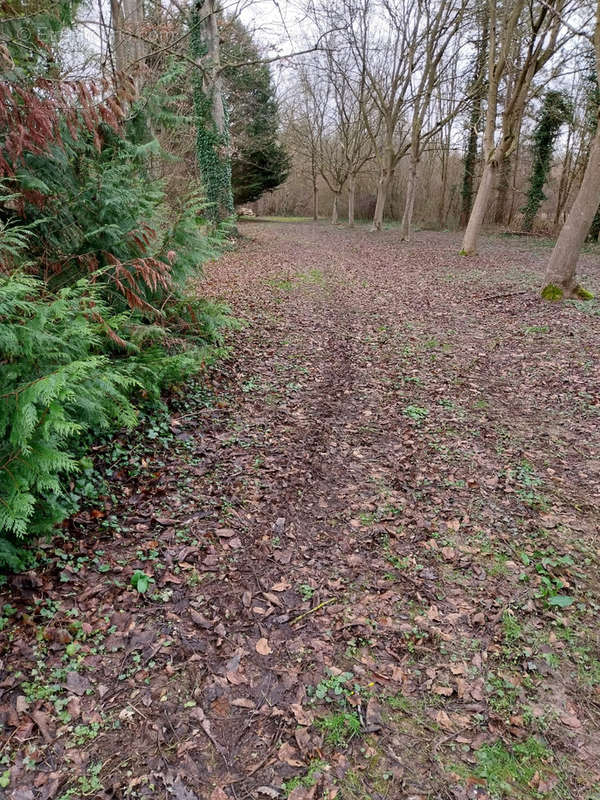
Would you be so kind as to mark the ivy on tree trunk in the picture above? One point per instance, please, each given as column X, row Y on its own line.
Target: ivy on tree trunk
column 213, row 152
column 555, row 110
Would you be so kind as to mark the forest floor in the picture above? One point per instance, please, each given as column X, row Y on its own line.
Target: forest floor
column 369, row 541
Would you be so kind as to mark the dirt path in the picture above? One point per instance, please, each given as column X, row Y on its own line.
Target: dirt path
column 373, row 549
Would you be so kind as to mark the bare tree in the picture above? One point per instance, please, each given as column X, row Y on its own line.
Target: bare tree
column 441, row 22
column 542, row 21
column 383, row 37
column 561, row 273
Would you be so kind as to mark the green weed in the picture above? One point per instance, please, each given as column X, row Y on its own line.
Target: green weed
column 339, row 728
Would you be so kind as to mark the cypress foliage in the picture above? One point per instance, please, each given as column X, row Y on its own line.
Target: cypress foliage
column 260, row 163
column 94, row 315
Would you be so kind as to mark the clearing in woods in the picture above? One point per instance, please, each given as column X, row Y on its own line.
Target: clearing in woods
column 370, row 547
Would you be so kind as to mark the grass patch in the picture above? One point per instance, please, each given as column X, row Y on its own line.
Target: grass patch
column 340, row 728
column 514, row 772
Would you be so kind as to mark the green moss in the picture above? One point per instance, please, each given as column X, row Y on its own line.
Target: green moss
column 552, row 292
column 582, row 294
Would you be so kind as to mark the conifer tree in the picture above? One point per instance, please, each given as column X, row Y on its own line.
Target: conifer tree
column 259, row 161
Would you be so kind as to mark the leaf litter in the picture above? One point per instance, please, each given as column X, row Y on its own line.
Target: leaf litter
column 385, row 522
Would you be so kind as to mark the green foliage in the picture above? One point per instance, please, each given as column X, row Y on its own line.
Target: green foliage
column 340, row 728
column 583, row 294
column 57, row 383
column 556, row 110
column 140, row 581
column 212, row 145
column 416, row 413
column 95, row 318
column 307, row 780
column 259, row 161
column 509, row 773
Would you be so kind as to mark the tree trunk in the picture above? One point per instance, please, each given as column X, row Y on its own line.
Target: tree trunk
column 127, row 20
column 502, row 191
column 410, row 201
column 474, row 120
column 213, row 143
column 334, row 208
column 442, row 214
column 386, row 173
column 560, row 198
column 561, row 274
column 315, row 200
column 351, row 199
column 595, row 229
column 469, row 247
column 380, row 203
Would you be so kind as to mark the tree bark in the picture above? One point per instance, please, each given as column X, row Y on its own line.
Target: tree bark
column 561, row 274
column 315, row 201
column 351, row 199
column 127, row 21
column 474, row 120
column 564, row 172
column 504, row 174
column 410, row 200
column 469, row 246
column 334, row 208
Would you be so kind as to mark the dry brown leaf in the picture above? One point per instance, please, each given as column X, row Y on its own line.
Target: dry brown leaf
column 302, row 715
column 262, row 647
column 243, row 702
column 289, row 755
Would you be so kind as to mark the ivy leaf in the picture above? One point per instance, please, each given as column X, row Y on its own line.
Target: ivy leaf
column 561, row 600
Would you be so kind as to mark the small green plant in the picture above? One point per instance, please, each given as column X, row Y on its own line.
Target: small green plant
column 304, row 781
column 416, row 413
column 306, row 591
column 398, row 702
column 339, row 728
column 140, row 581
column 528, row 483
column 88, row 785
column 335, row 685
column 510, row 627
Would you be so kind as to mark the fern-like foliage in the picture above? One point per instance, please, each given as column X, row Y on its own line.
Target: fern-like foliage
column 95, row 314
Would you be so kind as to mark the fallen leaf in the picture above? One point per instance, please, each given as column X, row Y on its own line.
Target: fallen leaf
column 302, row 715
column 262, row 647
column 281, row 586
column 443, row 720
column 42, row 720
column 570, row 720
column 289, row 755
column 373, row 716
column 243, row 702
column 76, row 683
column 444, row 690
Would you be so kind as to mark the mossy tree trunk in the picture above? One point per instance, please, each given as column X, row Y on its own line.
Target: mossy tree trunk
column 561, row 274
